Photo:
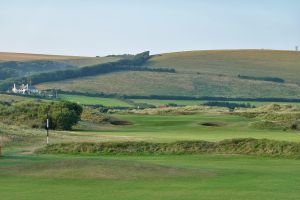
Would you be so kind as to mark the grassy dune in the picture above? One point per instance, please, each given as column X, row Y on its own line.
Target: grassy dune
column 245, row 146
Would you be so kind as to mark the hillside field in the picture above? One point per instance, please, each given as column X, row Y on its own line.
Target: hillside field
column 175, row 84
column 79, row 61
column 94, row 100
column 258, row 63
column 17, row 65
column 201, row 73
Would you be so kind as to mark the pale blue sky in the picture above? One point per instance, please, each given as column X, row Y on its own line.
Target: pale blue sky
column 101, row 27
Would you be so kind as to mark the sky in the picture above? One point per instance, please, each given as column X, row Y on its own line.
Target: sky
column 105, row 27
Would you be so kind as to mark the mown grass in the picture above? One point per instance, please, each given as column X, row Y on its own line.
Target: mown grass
column 207, row 176
column 170, row 128
column 94, row 100
column 149, row 177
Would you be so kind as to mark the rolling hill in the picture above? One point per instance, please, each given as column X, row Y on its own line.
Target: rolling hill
column 202, row 73
column 21, row 64
column 7, row 56
column 170, row 84
column 258, row 63
column 215, row 73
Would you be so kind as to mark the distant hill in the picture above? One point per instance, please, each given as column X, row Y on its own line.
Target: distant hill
column 6, row 56
column 257, row 63
column 220, row 73
column 21, row 64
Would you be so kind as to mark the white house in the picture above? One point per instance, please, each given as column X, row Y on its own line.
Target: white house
column 25, row 89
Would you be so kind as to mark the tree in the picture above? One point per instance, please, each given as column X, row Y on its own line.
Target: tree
column 62, row 115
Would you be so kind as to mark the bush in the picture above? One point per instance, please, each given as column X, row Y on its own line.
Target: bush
column 228, row 104
column 62, row 115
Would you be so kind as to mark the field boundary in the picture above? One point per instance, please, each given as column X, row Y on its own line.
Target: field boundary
column 162, row 97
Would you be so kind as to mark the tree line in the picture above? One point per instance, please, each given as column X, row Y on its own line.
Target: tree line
column 172, row 97
column 228, row 104
column 264, row 78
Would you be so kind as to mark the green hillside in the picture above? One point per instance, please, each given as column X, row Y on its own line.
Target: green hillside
column 202, row 73
column 271, row 63
column 222, row 73
column 149, row 83
column 14, row 65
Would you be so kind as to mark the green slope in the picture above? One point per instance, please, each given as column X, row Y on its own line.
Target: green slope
column 202, row 73
column 14, row 65
column 282, row 64
column 155, row 83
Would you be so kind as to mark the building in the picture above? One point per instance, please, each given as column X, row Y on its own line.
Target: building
column 25, row 89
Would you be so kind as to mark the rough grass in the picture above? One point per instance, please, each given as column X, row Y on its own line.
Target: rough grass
column 71, row 60
column 257, row 63
column 185, row 110
column 201, row 73
column 13, row 98
column 176, row 84
column 273, row 116
column 5, row 56
column 246, row 146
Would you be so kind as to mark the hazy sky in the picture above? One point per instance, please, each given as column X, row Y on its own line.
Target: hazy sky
column 101, row 27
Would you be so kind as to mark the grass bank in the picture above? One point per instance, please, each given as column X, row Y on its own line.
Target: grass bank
column 247, row 146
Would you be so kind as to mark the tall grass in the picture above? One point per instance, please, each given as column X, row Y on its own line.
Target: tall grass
column 246, row 146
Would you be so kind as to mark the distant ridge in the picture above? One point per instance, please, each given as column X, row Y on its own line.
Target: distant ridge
column 9, row 56
column 237, row 73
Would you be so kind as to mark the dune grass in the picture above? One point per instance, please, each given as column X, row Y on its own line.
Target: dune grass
column 245, row 146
